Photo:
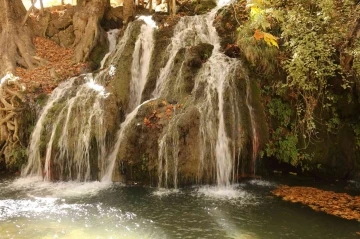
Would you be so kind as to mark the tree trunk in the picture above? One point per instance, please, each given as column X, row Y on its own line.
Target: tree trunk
column 171, row 7
column 128, row 10
column 15, row 38
column 87, row 29
column 151, row 6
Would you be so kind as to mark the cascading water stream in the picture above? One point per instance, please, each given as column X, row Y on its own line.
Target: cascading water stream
column 168, row 150
column 33, row 166
column 112, row 37
column 216, row 74
column 189, row 31
column 86, row 100
column 214, row 95
column 139, row 72
column 111, row 159
column 255, row 137
column 77, row 108
column 215, row 78
column 140, row 65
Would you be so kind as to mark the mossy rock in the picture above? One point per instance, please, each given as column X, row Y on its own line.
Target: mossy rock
column 204, row 6
column 196, row 56
column 162, row 39
column 226, row 23
column 101, row 48
column 120, row 82
column 199, row 54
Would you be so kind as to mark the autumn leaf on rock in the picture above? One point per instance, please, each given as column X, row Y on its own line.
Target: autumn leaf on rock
column 270, row 39
column 258, row 34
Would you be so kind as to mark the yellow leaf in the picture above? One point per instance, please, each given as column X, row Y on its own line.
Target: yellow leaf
column 270, row 39
column 255, row 11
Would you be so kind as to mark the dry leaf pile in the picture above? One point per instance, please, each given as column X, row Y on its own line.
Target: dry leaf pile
column 338, row 204
column 58, row 66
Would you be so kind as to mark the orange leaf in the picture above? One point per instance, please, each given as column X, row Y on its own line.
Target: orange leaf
column 258, row 34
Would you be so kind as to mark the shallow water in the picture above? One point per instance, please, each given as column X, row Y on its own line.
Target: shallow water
column 31, row 208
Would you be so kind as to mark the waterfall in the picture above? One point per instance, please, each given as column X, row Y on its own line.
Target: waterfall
column 139, row 72
column 34, row 166
column 169, row 154
column 72, row 123
column 255, row 136
column 75, row 148
column 112, row 37
column 189, row 31
column 111, row 159
column 140, row 64
column 78, row 110
column 215, row 79
column 216, row 74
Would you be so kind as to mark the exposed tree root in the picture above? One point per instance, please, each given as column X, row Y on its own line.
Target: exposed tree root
column 10, row 106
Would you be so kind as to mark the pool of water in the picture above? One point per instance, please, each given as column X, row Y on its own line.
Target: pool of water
column 31, row 208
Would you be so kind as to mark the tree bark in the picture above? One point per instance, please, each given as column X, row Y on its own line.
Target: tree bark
column 15, row 38
column 128, row 10
column 87, row 27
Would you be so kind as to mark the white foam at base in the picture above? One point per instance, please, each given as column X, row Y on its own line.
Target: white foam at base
column 223, row 193
column 36, row 186
column 160, row 192
column 262, row 183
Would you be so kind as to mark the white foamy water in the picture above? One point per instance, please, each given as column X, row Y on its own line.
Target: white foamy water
column 37, row 187
column 262, row 183
column 232, row 192
column 163, row 192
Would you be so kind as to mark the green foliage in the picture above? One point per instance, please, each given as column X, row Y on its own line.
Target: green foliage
column 283, row 143
column 356, row 129
column 19, row 157
column 356, row 62
column 311, row 32
column 144, row 163
column 333, row 123
column 284, row 146
column 280, row 111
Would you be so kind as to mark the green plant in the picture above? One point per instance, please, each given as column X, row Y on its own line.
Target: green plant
column 281, row 111
column 356, row 128
column 284, row 146
column 144, row 163
column 19, row 156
